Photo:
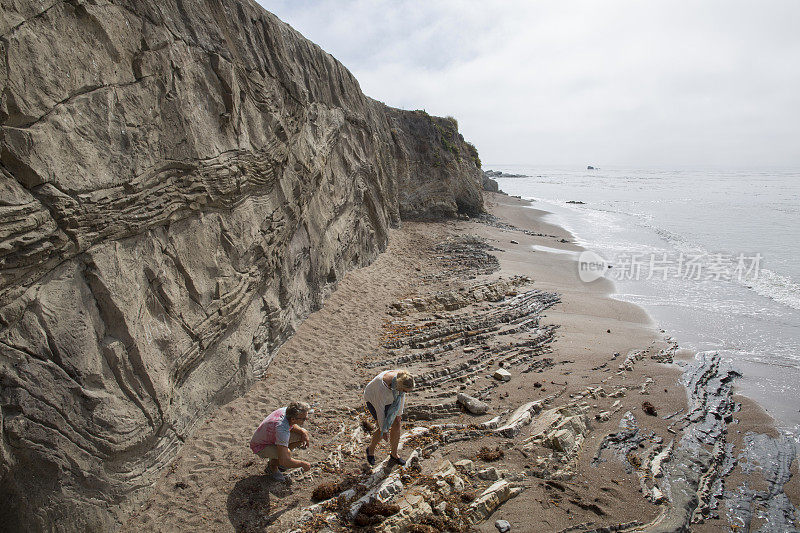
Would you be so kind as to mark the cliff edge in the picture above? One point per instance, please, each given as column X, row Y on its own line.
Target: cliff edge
column 181, row 183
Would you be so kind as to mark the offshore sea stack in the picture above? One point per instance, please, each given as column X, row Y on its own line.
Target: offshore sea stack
column 182, row 182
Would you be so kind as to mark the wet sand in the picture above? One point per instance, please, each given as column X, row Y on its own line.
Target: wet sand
column 438, row 303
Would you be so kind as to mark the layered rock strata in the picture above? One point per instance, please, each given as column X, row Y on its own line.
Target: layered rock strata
column 181, row 182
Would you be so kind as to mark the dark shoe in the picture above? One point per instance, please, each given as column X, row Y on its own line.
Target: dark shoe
column 281, row 468
column 278, row 476
column 370, row 458
column 396, row 461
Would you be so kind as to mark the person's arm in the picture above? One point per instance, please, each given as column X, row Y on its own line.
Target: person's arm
column 387, row 380
column 303, row 435
column 286, row 461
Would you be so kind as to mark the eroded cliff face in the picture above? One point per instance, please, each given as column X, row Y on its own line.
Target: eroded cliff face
column 182, row 181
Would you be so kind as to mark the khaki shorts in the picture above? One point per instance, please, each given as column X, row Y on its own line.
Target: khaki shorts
column 270, row 451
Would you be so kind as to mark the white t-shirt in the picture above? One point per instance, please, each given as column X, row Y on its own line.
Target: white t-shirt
column 380, row 396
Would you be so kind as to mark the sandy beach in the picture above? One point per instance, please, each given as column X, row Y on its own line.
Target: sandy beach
column 453, row 302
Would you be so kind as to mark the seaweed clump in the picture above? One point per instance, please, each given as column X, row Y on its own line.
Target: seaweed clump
column 327, row 490
column 489, row 455
column 374, row 512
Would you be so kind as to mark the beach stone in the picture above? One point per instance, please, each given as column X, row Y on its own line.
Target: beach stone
column 502, row 526
column 180, row 188
column 465, row 465
column 502, row 374
column 490, row 474
column 473, row 405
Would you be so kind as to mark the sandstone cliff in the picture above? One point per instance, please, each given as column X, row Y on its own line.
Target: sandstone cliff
column 182, row 181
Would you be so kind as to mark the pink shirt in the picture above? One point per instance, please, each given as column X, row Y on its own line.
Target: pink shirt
column 274, row 430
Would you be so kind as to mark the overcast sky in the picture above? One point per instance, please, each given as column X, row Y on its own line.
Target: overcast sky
column 611, row 83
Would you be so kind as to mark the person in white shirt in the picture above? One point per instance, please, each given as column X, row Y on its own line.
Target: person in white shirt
column 385, row 398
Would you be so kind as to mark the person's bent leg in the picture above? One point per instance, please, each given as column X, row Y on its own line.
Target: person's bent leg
column 270, row 452
column 376, row 439
column 376, row 435
column 394, row 436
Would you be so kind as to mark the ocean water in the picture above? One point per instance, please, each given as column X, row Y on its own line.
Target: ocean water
column 713, row 256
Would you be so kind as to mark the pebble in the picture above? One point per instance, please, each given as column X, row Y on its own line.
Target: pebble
column 502, row 526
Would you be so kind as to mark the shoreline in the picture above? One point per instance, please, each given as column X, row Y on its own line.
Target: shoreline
column 612, row 293
column 750, row 323
column 749, row 416
column 571, row 375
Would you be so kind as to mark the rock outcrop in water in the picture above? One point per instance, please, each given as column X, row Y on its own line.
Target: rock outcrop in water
column 182, row 181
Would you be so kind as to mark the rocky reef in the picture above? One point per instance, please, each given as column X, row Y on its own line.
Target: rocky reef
column 181, row 183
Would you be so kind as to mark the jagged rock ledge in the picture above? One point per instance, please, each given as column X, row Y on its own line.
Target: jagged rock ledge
column 181, row 183
column 690, row 476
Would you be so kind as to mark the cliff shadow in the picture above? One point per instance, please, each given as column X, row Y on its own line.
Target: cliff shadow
column 250, row 501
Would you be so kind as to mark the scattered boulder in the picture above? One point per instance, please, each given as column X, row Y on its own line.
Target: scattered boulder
column 471, row 404
column 464, row 465
column 502, row 374
column 491, row 499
